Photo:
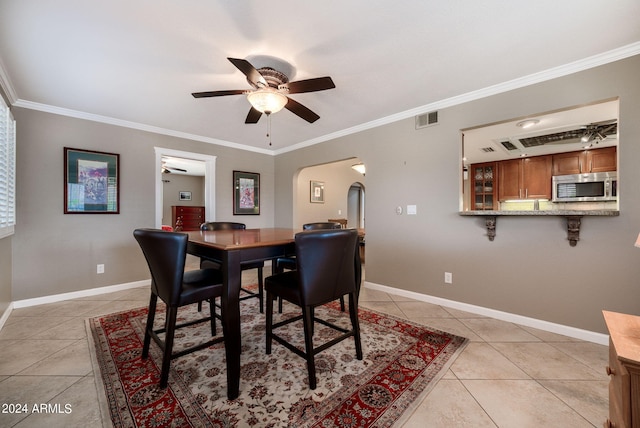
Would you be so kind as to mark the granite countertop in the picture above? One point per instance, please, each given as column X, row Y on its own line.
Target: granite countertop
column 606, row 213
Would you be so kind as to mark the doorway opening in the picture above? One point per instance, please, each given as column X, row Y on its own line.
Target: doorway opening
column 209, row 179
column 355, row 205
column 341, row 196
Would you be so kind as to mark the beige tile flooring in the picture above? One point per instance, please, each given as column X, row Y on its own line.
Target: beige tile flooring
column 507, row 376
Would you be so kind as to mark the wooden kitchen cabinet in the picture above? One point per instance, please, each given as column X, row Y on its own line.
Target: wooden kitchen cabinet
column 624, row 370
column 185, row 218
column 528, row 178
column 594, row 160
column 483, row 186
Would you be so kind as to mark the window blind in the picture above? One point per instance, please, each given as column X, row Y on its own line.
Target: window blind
column 7, row 171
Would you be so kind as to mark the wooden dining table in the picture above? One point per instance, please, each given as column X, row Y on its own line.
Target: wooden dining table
column 230, row 248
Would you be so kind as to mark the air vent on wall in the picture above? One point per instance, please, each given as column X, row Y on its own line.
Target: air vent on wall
column 427, row 119
column 487, row 149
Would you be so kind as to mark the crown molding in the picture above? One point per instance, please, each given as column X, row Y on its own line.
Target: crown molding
column 5, row 84
column 133, row 125
column 553, row 73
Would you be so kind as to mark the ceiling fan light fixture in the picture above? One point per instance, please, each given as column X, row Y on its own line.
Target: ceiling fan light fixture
column 527, row 123
column 586, row 137
column 359, row 167
column 267, row 100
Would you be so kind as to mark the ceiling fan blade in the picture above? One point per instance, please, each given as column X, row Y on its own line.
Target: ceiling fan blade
column 300, row 110
column 253, row 116
column 249, row 70
column 172, row 168
column 309, row 85
column 218, row 93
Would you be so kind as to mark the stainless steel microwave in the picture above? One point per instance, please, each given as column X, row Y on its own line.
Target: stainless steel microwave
column 591, row 187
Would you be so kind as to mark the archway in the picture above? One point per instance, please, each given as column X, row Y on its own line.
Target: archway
column 338, row 200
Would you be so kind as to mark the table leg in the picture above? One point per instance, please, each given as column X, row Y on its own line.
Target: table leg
column 231, row 320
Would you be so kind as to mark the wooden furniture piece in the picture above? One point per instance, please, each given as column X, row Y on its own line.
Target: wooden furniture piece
column 204, row 263
column 231, row 248
column 595, row 160
column 624, row 370
column 342, row 221
column 484, row 179
column 528, row 178
column 186, row 218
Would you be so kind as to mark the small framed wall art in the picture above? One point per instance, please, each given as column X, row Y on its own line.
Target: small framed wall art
column 91, row 182
column 185, row 196
column 317, row 192
column 246, row 193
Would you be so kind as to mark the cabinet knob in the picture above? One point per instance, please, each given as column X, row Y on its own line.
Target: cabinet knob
column 610, row 371
column 609, row 424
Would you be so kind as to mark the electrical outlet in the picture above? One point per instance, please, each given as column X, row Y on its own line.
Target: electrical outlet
column 100, row 268
column 448, row 278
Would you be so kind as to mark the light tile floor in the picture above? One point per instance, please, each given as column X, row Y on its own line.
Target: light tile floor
column 507, row 376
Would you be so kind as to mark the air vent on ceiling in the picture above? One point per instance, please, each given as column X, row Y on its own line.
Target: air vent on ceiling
column 427, row 119
column 487, row 149
column 508, row 145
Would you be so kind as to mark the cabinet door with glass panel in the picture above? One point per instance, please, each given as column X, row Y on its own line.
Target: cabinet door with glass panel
column 484, row 178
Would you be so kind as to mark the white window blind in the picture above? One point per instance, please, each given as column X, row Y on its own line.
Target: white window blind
column 7, row 171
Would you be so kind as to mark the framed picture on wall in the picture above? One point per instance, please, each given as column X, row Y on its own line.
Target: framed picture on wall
column 317, row 192
column 91, row 183
column 246, row 193
column 185, row 196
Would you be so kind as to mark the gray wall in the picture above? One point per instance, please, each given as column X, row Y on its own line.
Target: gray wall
column 529, row 269
column 56, row 253
column 5, row 274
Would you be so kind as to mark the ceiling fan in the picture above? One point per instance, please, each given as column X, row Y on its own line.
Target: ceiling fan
column 169, row 169
column 270, row 90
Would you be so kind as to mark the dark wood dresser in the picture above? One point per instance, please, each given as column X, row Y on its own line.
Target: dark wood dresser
column 185, row 218
column 624, row 370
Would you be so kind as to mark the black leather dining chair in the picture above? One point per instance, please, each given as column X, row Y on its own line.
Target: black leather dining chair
column 290, row 263
column 328, row 265
column 204, row 263
column 166, row 253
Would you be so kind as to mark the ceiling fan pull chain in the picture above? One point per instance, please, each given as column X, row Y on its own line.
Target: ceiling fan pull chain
column 269, row 127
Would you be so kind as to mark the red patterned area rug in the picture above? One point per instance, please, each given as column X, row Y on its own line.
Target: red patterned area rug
column 402, row 362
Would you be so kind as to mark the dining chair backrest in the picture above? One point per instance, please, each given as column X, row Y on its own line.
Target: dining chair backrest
column 326, row 265
column 165, row 253
column 222, row 225
column 321, row 225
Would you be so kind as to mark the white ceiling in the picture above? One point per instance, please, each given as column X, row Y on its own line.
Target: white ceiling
column 136, row 62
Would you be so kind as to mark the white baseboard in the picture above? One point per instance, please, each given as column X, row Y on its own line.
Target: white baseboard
column 589, row 336
column 76, row 294
column 5, row 315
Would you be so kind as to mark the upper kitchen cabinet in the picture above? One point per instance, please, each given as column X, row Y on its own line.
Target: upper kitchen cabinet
column 528, row 178
column 595, row 160
column 483, row 189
